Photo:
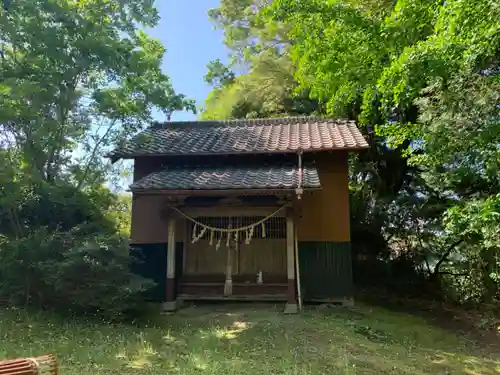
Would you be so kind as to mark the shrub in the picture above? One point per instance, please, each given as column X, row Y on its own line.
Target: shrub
column 77, row 270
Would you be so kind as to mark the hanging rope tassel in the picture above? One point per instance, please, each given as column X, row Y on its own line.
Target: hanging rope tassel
column 217, row 246
column 200, row 235
column 250, row 235
column 195, row 229
column 263, row 230
column 211, row 242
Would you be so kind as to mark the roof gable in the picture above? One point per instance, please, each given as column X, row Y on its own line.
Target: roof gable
column 250, row 136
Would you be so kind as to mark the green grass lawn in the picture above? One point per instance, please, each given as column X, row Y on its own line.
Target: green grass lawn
column 248, row 339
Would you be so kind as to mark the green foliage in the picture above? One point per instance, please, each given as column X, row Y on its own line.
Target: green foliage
column 218, row 74
column 267, row 90
column 459, row 126
column 259, row 48
column 344, row 47
column 61, row 248
column 477, row 223
column 120, row 213
column 77, row 78
column 423, row 78
column 246, row 32
column 76, row 270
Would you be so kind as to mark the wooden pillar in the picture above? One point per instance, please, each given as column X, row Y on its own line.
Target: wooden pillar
column 170, row 303
column 228, row 284
column 291, row 306
column 185, row 242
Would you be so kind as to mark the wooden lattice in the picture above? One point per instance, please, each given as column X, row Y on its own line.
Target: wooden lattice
column 43, row 365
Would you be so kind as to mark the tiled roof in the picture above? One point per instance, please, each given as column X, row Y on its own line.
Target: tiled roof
column 255, row 136
column 229, row 177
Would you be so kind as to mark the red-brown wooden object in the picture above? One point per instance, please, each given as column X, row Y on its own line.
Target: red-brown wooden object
column 43, row 365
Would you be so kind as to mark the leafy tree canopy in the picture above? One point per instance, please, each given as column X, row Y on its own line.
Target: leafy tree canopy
column 424, row 76
column 259, row 51
column 77, row 78
column 78, row 73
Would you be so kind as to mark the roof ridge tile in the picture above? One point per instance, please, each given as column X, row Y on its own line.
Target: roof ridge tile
column 248, row 121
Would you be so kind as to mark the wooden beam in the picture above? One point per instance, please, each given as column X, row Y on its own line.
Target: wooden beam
column 117, row 156
column 226, row 192
column 223, row 211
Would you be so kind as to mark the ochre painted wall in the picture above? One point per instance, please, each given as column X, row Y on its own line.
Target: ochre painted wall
column 325, row 213
column 148, row 225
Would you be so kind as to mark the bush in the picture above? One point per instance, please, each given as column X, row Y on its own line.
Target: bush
column 75, row 270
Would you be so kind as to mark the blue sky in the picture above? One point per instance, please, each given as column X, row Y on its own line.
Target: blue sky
column 191, row 42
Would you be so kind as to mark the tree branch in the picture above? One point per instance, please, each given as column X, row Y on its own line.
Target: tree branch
column 446, row 255
column 93, row 154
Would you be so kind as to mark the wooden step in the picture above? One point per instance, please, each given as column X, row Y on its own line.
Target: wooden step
column 188, row 283
column 236, row 297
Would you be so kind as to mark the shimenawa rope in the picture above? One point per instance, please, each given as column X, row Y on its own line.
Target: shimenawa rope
column 227, row 230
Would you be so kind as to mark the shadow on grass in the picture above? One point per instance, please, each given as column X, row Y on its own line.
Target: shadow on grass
column 426, row 347
column 445, row 316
